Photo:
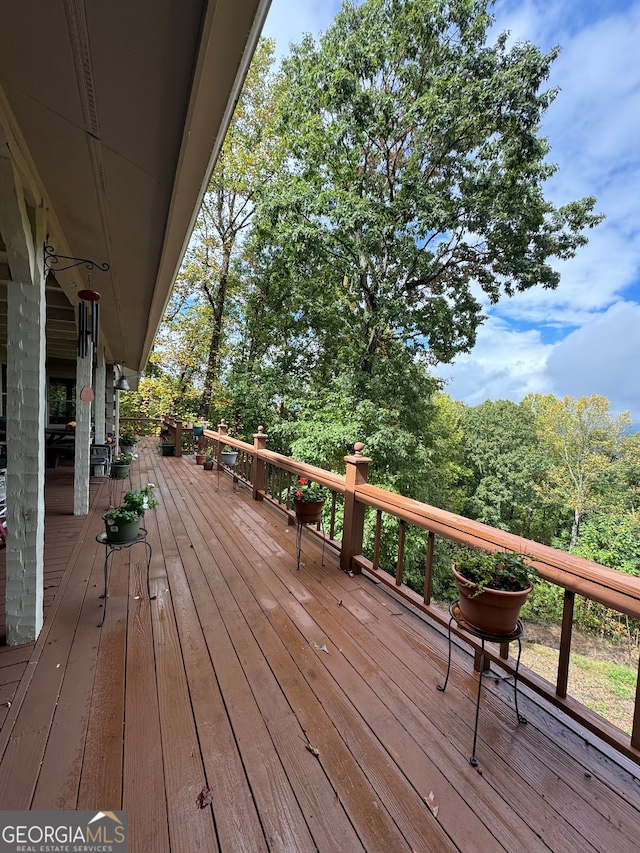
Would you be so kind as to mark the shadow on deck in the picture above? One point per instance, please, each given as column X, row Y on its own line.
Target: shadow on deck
column 305, row 700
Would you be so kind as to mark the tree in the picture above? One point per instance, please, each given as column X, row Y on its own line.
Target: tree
column 504, row 456
column 583, row 441
column 415, row 171
column 248, row 159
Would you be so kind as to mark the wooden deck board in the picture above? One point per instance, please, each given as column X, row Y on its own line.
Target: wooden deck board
column 222, row 682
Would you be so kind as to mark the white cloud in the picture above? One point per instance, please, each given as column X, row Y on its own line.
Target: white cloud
column 504, row 364
column 601, row 358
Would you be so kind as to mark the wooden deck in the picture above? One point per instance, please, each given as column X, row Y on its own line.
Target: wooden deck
column 305, row 701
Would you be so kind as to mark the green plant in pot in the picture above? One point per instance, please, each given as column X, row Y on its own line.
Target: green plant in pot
column 208, row 459
column 167, row 447
column 308, row 500
column 493, row 586
column 229, row 456
column 128, row 442
column 123, row 523
column 121, row 465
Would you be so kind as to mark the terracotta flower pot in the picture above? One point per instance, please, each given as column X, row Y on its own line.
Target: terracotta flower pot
column 492, row 611
column 200, row 458
column 308, row 512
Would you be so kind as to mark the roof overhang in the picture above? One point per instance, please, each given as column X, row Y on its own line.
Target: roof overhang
column 113, row 114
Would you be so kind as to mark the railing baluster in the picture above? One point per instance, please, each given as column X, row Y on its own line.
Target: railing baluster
column 565, row 644
column 376, row 544
column 400, row 564
column 332, row 522
column 428, row 569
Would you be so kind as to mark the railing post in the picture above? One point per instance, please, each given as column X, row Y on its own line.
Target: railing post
column 353, row 529
column 222, row 430
column 178, row 448
column 259, row 443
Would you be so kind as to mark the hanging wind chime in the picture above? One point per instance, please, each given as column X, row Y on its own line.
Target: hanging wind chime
column 52, row 263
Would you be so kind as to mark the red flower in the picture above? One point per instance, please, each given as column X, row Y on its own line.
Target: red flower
column 302, row 481
column 299, row 494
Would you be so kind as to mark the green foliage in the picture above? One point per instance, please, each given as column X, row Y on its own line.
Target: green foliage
column 134, row 505
column 128, row 438
column 505, row 462
column 508, row 571
column 123, row 459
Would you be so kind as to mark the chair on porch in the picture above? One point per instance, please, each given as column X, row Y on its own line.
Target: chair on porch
column 100, row 457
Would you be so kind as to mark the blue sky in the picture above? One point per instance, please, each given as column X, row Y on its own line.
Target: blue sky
column 584, row 337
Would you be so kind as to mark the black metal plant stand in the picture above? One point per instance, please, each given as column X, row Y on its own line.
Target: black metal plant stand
column 299, row 526
column 483, row 636
column 110, row 547
column 112, row 485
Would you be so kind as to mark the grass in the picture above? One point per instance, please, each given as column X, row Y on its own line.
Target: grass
column 606, row 687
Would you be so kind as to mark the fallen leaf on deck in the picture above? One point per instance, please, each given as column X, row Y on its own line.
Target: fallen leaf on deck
column 313, row 750
column 136, row 597
column 204, row 798
column 322, row 648
column 430, row 801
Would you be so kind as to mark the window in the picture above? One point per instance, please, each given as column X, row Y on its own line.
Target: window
column 62, row 401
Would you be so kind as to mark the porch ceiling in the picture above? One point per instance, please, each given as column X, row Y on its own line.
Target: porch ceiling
column 114, row 114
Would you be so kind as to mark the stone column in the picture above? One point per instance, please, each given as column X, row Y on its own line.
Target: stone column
column 110, row 401
column 26, row 318
column 99, row 404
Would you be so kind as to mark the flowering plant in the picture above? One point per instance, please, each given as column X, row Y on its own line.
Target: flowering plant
column 308, row 492
column 134, row 505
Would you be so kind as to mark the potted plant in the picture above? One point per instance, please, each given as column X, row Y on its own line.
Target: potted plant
column 167, row 446
column 308, row 500
column 201, row 457
column 208, row 459
column 198, row 428
column 120, row 466
column 229, row 456
column 493, row 586
column 128, row 442
column 122, row 524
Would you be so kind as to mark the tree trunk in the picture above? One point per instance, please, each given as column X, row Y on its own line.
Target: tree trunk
column 217, row 302
column 575, row 528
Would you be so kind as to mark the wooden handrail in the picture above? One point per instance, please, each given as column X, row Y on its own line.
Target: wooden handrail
column 607, row 586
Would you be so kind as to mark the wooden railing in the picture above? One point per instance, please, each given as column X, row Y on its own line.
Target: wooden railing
column 141, row 426
column 270, row 475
